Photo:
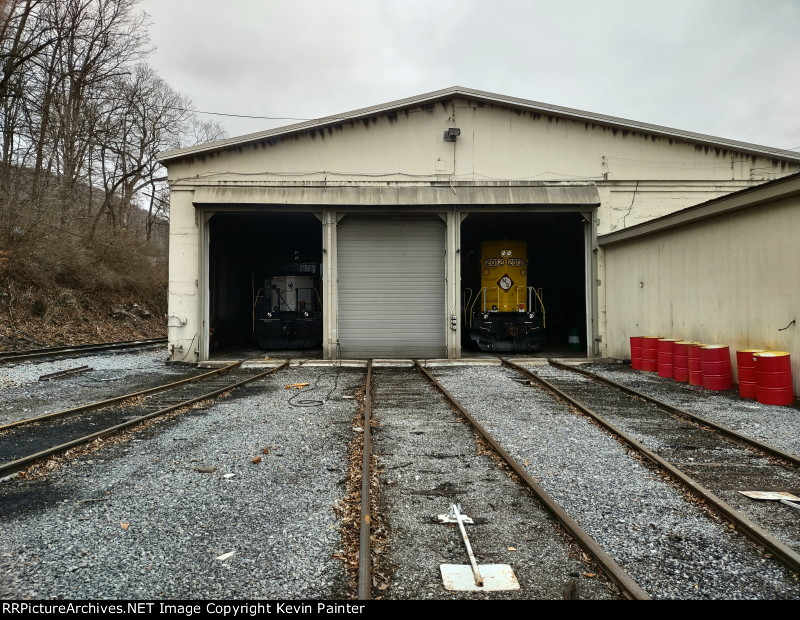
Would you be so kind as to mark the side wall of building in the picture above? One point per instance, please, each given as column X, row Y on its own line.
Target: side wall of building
column 731, row 279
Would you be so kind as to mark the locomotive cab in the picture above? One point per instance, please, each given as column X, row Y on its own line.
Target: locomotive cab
column 505, row 314
column 287, row 311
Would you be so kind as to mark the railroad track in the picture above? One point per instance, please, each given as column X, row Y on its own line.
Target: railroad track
column 365, row 522
column 712, row 462
column 24, row 442
column 462, row 460
column 30, row 354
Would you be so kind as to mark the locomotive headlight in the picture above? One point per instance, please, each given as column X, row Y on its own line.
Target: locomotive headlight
column 530, row 315
column 485, row 317
column 305, row 313
column 269, row 315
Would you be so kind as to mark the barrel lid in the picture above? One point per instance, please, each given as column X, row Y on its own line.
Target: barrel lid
column 771, row 354
column 669, row 339
column 652, row 337
column 686, row 342
column 751, row 350
column 715, row 346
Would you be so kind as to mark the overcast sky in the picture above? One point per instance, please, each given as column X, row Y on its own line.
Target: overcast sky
column 729, row 68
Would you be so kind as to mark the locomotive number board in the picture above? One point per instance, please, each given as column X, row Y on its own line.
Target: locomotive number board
column 500, row 262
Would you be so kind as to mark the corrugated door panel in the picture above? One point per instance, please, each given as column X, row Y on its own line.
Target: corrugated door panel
column 391, row 287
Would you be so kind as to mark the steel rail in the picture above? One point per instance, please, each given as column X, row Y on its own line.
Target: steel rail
column 364, row 536
column 118, row 399
column 15, row 356
column 629, row 588
column 14, row 466
column 65, row 373
column 786, row 555
column 723, row 430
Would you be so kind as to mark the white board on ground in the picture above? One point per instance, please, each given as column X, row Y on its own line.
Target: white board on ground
column 496, row 577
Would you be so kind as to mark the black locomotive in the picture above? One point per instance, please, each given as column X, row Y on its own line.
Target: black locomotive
column 287, row 311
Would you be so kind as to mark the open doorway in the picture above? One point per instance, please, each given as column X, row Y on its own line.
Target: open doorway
column 554, row 244
column 264, row 283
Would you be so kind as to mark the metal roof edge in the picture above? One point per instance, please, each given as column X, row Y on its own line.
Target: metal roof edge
column 488, row 97
column 439, row 195
column 768, row 192
column 305, row 125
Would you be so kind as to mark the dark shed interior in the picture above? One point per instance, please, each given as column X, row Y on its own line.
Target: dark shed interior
column 245, row 249
column 556, row 254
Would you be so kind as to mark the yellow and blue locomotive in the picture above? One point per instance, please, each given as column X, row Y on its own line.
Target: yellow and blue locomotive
column 505, row 314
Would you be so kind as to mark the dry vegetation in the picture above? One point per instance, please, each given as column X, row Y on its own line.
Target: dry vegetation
column 74, row 317
column 56, row 289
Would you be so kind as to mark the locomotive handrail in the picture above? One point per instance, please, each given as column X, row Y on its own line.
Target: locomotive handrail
column 474, row 301
column 482, row 294
column 531, row 290
column 285, row 300
column 253, row 309
column 538, row 293
column 319, row 297
column 467, row 299
column 306, row 288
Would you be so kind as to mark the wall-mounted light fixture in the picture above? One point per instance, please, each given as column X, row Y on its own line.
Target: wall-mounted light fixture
column 451, row 134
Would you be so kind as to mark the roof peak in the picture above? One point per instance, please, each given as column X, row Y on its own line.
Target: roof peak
column 491, row 98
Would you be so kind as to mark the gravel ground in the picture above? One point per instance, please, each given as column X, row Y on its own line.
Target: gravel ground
column 429, row 459
column 668, row 544
column 776, row 426
column 720, row 465
column 23, row 396
column 138, row 520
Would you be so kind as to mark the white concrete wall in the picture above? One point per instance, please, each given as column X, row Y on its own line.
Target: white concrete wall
column 183, row 318
column 730, row 280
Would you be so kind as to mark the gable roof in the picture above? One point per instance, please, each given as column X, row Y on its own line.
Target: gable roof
column 489, row 98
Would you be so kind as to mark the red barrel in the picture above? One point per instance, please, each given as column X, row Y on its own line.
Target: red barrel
column 636, row 352
column 650, row 353
column 716, row 368
column 680, row 372
column 715, row 353
column 773, row 371
column 666, row 348
column 745, row 365
column 695, row 366
column 748, row 390
column 715, row 361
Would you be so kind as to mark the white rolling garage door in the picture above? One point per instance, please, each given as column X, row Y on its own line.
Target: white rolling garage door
column 391, row 287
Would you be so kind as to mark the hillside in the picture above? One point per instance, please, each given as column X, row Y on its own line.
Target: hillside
column 61, row 292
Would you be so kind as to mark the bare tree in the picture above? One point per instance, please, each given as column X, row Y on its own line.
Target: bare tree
column 83, row 118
